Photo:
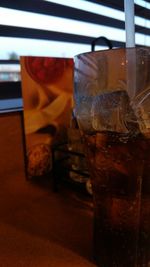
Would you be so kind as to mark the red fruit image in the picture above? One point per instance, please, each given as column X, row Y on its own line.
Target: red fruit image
column 46, row 70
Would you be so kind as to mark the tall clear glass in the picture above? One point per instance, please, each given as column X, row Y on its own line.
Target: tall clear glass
column 112, row 105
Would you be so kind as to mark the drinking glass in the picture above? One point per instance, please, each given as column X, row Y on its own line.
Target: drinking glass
column 112, row 106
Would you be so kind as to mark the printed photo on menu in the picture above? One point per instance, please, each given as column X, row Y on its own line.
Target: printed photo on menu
column 47, row 91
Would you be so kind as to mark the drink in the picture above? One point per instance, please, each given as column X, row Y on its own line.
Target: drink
column 112, row 97
column 120, row 168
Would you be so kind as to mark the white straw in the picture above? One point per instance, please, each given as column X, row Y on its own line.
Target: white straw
column 129, row 23
column 130, row 53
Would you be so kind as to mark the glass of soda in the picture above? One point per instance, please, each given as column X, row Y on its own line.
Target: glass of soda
column 112, row 106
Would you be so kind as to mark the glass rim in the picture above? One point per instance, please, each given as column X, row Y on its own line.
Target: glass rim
column 110, row 50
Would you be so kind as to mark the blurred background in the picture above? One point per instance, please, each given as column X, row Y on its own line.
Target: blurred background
column 63, row 28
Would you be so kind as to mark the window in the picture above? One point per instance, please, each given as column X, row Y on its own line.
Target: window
column 63, row 28
column 66, row 28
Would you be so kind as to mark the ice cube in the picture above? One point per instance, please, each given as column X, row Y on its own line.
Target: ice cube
column 141, row 108
column 112, row 111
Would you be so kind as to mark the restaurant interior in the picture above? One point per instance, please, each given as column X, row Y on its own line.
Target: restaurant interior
column 46, row 198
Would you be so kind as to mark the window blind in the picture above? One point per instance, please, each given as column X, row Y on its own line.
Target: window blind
column 60, row 28
column 66, row 28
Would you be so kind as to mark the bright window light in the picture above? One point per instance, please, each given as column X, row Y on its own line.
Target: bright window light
column 28, row 47
column 85, row 5
column 52, row 23
column 102, row 10
column 142, row 22
column 142, row 3
column 24, row 46
column 31, row 47
column 91, row 7
column 142, row 39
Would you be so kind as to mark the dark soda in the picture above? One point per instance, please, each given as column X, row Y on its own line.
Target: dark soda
column 120, row 169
